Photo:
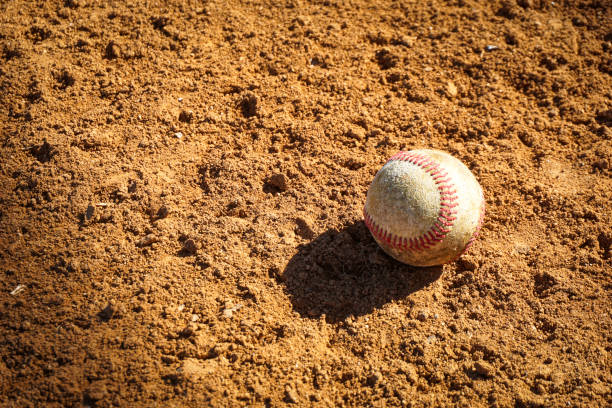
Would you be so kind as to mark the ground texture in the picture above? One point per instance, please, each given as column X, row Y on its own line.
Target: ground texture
column 181, row 194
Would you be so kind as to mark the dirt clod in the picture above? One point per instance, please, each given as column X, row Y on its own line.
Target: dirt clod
column 190, row 246
column 112, row 50
column 386, row 59
column 467, row 263
column 422, row 315
column 278, row 181
column 96, row 391
column 186, row 116
column 163, row 212
column 374, row 379
column 356, row 132
column 410, row 372
column 111, row 310
column 249, row 105
column 44, row 152
column 483, row 368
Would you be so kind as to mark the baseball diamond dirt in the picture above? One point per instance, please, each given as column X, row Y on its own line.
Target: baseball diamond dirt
column 182, row 185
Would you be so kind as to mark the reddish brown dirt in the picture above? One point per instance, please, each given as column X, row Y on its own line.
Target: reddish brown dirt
column 231, row 266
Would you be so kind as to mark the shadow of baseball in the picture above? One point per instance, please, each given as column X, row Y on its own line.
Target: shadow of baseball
column 344, row 273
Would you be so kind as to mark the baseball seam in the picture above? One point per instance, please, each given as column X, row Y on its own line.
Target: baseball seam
column 446, row 213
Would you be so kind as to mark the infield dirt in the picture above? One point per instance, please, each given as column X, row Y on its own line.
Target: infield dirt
column 181, row 195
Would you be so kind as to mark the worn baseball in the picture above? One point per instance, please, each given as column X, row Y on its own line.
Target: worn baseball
column 424, row 207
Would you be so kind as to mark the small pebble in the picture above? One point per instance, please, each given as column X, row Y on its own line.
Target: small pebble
column 290, row 396
column 229, row 311
column 178, row 135
column 522, row 249
column 490, row 48
column 451, row 89
column 147, row 240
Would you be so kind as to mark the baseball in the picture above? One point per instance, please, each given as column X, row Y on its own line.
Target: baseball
column 424, row 207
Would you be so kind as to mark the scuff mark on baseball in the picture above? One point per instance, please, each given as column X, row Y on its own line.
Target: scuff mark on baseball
column 424, row 207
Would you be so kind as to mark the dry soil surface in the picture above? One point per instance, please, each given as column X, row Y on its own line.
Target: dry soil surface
column 181, row 194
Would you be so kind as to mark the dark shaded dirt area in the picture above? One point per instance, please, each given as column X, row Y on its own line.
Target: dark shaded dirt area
column 181, row 187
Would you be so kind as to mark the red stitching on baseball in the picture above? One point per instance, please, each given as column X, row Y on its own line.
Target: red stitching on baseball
column 446, row 214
